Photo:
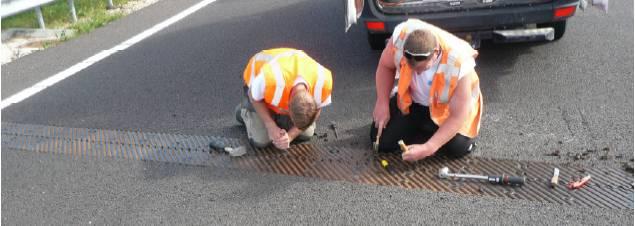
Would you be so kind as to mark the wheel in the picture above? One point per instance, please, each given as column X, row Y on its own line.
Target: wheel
column 377, row 41
column 558, row 28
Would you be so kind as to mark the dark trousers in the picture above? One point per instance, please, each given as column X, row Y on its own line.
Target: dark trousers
column 416, row 128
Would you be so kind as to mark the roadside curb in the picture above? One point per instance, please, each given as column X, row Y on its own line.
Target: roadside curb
column 35, row 33
column 19, row 42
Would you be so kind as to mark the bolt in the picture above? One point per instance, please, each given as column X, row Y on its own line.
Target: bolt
column 578, row 157
column 604, row 157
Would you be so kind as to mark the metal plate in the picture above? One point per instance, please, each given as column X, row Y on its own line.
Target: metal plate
column 609, row 188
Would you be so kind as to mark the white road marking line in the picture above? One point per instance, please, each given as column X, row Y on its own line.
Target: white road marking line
column 26, row 93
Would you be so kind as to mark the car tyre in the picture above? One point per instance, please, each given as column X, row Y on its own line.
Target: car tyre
column 377, row 41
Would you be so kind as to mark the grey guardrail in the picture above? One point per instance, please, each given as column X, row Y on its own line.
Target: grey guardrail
column 13, row 7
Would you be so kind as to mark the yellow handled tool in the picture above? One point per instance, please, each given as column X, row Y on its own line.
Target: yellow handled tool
column 376, row 143
column 403, row 146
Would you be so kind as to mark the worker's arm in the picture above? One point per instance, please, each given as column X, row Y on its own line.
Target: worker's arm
column 460, row 106
column 384, row 79
column 295, row 132
column 278, row 136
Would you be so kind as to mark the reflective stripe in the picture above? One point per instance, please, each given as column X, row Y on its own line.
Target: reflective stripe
column 259, row 57
column 398, row 56
column 445, row 92
column 399, row 43
column 317, row 90
column 451, row 62
column 327, row 100
column 253, row 71
column 280, row 84
column 449, row 70
column 262, row 56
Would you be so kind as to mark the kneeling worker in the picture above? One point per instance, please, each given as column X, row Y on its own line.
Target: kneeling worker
column 437, row 107
column 285, row 90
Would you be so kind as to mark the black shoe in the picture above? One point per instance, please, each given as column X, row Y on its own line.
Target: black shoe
column 217, row 145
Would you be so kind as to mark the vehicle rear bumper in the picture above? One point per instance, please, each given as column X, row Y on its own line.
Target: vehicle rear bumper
column 479, row 22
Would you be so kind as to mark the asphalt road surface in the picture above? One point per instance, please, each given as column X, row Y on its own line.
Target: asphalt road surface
column 573, row 95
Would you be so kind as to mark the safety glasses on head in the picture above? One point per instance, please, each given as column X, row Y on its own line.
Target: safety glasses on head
column 417, row 56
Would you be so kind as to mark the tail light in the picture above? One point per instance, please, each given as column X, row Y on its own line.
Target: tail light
column 375, row 26
column 564, row 12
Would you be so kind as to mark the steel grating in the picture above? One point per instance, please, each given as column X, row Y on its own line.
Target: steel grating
column 609, row 188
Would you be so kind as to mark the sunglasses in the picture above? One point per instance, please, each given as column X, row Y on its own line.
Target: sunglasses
column 417, row 56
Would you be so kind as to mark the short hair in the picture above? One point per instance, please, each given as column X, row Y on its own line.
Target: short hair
column 302, row 109
column 420, row 41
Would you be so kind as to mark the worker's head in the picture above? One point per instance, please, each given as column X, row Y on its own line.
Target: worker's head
column 302, row 107
column 420, row 49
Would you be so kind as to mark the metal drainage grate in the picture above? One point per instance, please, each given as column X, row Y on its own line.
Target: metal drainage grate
column 609, row 188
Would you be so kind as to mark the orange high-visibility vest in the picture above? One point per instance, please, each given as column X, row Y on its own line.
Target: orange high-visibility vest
column 281, row 67
column 445, row 79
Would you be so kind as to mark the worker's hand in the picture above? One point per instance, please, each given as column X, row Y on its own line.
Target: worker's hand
column 274, row 132
column 278, row 136
column 283, row 141
column 293, row 133
column 381, row 116
column 474, row 54
column 417, row 152
column 379, row 131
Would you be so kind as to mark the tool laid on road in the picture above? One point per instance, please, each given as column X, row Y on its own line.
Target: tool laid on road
column 580, row 183
column 233, row 151
column 236, row 151
column 334, row 127
column 554, row 178
column 444, row 173
column 403, row 146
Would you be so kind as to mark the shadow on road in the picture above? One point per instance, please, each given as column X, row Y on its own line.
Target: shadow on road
column 497, row 60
